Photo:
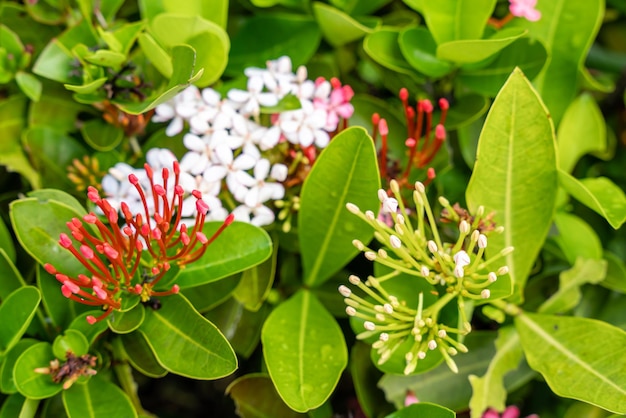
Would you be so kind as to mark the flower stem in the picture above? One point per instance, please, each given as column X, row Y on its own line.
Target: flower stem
column 508, row 308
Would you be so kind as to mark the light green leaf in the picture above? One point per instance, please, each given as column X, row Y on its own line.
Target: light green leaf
column 35, row 385
column 515, row 165
column 255, row 397
column 346, row 171
column 615, row 273
column 567, row 29
column 580, row 358
column 7, row 384
column 424, row 409
column 489, row 390
column 576, row 238
column 71, row 340
column 29, row 84
column 98, row 398
column 304, row 350
column 340, row 28
column 156, row 54
column 125, row 322
column 585, row 270
column 420, row 50
column 16, row 312
column 209, row 295
column 599, row 194
column 239, row 247
column 383, row 47
column 177, row 334
column 453, row 20
column 100, row 135
column 476, row 50
column 581, row 131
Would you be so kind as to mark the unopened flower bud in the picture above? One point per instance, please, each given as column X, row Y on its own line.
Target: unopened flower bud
column 432, row 344
column 395, row 241
column 345, row 291
column 425, row 271
column 369, row 325
column 464, row 227
column 354, row 279
column 492, row 276
column 419, row 187
column 350, row 311
column 485, row 294
column 482, row 241
column 461, row 259
column 502, row 271
column 358, row 244
column 432, row 246
column 352, row 207
column 442, row 333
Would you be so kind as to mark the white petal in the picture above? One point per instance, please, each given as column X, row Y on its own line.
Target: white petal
column 215, row 173
column 261, row 169
column 224, row 154
column 267, row 99
column 175, row 127
column 242, row 214
column 194, row 143
column 279, row 172
column 262, row 216
column 239, row 96
column 321, row 138
column 305, row 138
column 244, row 162
column 252, row 197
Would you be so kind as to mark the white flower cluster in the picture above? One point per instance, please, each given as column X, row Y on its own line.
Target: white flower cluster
column 227, row 145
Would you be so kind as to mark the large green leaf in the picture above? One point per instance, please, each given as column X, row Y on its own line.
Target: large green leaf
column 567, row 29
column 98, row 398
column 580, row 358
column 452, row 20
column 599, row 194
column 582, row 130
column 16, row 405
column 515, row 175
column 7, row 383
column 586, row 270
column 304, row 350
column 489, row 391
column 346, row 171
column 359, row 7
column 11, row 277
column 35, row 385
column 16, row 312
column 576, row 238
column 179, row 336
column 239, row 247
column 475, row 50
column 338, row 27
column 140, row 355
column 255, row 397
column 6, row 242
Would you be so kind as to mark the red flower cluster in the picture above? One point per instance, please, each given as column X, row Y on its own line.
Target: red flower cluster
column 114, row 255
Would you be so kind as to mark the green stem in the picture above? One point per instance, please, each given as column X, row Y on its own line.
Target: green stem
column 508, row 308
column 434, row 309
column 29, row 408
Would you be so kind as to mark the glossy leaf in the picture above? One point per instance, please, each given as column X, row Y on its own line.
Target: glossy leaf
column 35, row 385
column 382, row 46
column 256, row 283
column 125, row 322
column 425, row 409
column 156, row 54
column 476, row 50
column 527, row 54
column 581, row 131
column 16, row 312
column 207, row 296
column 338, row 27
column 304, row 350
column 7, row 384
column 346, row 171
column 98, row 398
column 71, row 340
column 489, row 391
column 255, row 397
column 293, row 35
column 140, row 355
column 90, row 331
column 576, row 354
column 359, row 7
column 516, row 164
column 576, row 238
column 585, row 270
column 599, row 194
column 567, row 29
column 452, row 20
column 11, row 277
column 420, row 50
column 177, row 334
column 239, row 247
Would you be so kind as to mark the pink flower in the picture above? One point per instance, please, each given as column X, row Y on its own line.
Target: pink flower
column 410, row 398
column 510, row 412
column 525, row 9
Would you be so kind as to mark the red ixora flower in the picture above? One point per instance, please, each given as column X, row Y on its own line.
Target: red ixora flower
column 116, row 258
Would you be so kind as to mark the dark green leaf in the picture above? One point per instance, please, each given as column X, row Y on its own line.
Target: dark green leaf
column 101, row 136
column 256, row 282
column 29, row 84
column 453, row 20
column 16, row 312
column 420, row 50
column 98, row 398
column 256, row 397
column 125, row 322
column 383, row 47
column 365, row 377
column 16, row 405
column 207, row 296
column 11, row 277
column 140, row 355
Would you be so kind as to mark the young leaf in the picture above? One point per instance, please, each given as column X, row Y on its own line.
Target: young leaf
column 599, row 194
column 338, row 27
column 576, row 238
column 178, row 335
column 423, row 409
column 580, row 358
column 453, row 20
column 304, row 350
column 71, row 340
column 16, row 312
column 255, row 397
column 98, row 398
column 471, row 51
column 516, row 165
column 125, row 322
column 28, row 382
column 489, row 390
column 346, row 171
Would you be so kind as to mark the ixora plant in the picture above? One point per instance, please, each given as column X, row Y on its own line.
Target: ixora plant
column 375, row 208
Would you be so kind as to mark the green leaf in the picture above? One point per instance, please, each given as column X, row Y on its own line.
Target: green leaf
column 423, row 409
column 255, row 397
column 527, row 54
column 383, row 47
column 11, row 277
column 12, row 123
column 177, row 334
column 576, row 354
column 239, row 247
column 581, row 131
column 125, row 322
column 207, row 296
column 585, row 270
column 89, row 331
column 28, row 382
column 615, row 273
column 16, row 312
column 16, row 405
column 256, row 283
column 340, row 28
column 7, row 384
column 567, row 29
column 293, row 35
column 304, row 350
column 599, row 194
column 489, row 391
column 365, row 377
column 6, row 243
column 576, row 238
column 71, row 340
column 140, row 355
column 346, row 171
column 477, row 50
column 156, row 54
column 57, row 110
column 106, row 58
column 37, row 224
column 100, row 135
column 29, row 84
column 452, row 20
column 419, row 49
column 58, row 195
column 98, row 398
column 516, row 164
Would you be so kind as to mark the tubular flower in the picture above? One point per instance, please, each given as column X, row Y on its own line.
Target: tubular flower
column 456, row 270
column 117, row 258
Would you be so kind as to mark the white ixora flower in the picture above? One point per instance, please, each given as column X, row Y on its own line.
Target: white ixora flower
column 181, row 108
column 249, row 101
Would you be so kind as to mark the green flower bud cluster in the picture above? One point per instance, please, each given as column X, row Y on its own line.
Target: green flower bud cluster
column 458, row 271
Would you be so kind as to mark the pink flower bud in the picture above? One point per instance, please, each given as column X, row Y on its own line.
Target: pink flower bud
column 133, row 179
column 110, row 252
column 440, row 132
column 100, row 293
column 91, row 319
column 202, row 207
column 175, row 289
column 202, row 238
column 443, row 104
column 383, row 128
column 90, row 218
column 49, row 268
column 96, row 282
column 65, row 241
column 158, row 189
column 87, row 252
